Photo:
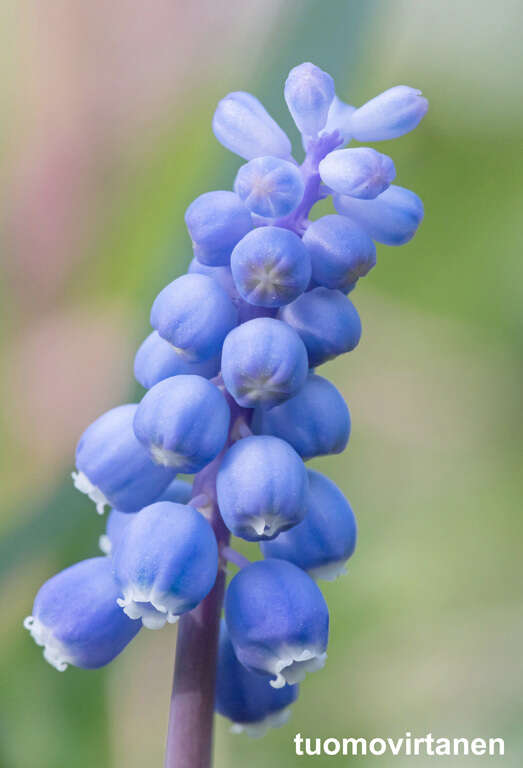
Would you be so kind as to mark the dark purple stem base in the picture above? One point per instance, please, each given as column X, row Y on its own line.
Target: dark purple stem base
column 189, row 738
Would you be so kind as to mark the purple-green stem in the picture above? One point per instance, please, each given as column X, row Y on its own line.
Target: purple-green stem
column 190, row 731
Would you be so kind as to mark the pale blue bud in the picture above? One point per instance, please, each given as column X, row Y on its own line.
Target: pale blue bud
column 264, row 362
column 360, row 172
column 392, row 218
column 270, row 267
column 309, row 93
column 389, row 115
column 243, row 125
column 269, row 186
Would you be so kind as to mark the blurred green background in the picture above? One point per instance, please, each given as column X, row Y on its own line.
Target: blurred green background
column 106, row 116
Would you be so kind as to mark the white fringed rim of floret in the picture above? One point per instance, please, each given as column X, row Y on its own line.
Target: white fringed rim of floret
column 294, row 664
column 84, row 485
column 260, row 728
column 54, row 651
column 154, row 609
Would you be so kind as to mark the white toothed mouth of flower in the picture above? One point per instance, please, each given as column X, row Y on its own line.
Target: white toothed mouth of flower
column 154, row 609
column 260, row 728
column 266, row 525
column 329, row 571
column 167, row 458
column 84, row 485
column 293, row 667
column 54, row 651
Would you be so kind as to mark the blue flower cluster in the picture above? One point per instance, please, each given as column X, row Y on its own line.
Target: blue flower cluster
column 234, row 398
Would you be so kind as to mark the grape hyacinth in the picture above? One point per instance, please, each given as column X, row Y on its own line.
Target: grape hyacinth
column 233, row 398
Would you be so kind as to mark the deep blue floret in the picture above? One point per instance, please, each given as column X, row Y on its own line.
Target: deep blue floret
column 165, row 563
column 278, row 621
column 76, row 618
column 261, row 487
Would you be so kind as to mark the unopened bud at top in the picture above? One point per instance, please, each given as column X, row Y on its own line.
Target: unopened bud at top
column 243, row 125
column 309, row 92
column 389, row 115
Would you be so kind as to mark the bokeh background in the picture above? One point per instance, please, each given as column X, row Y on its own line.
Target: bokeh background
column 106, row 138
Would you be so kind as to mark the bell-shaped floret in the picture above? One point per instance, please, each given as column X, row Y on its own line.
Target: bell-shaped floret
column 360, row 172
column 246, row 698
column 316, row 421
column 243, row 125
column 389, row 115
column 264, row 362
column 326, row 321
column 261, row 487
column 271, row 267
column 340, row 252
column 278, row 621
column 269, row 186
column 392, row 218
column 183, row 422
column 309, row 93
column 194, row 314
column 76, row 618
column 114, row 469
column 216, row 221
column 178, row 491
column 157, row 360
column 326, row 538
column 222, row 275
column 165, row 563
